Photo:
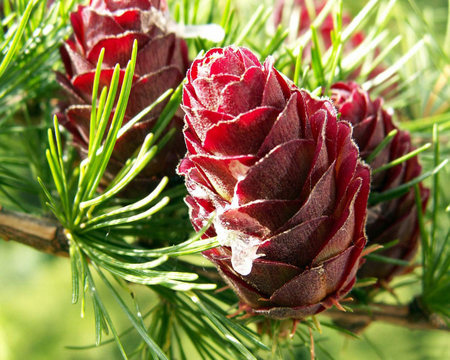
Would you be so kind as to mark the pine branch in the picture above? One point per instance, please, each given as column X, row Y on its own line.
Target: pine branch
column 410, row 316
column 45, row 235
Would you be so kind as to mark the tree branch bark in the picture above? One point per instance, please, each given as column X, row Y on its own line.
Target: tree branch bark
column 45, row 235
column 409, row 316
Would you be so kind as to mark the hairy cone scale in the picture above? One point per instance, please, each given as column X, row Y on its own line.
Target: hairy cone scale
column 161, row 64
column 393, row 220
column 284, row 179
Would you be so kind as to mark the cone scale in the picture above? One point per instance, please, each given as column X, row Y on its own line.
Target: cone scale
column 161, row 65
column 394, row 220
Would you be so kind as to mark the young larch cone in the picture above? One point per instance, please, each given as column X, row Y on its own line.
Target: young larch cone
column 394, row 219
column 283, row 180
column 161, row 64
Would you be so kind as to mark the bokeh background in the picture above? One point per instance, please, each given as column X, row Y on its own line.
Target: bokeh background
column 38, row 321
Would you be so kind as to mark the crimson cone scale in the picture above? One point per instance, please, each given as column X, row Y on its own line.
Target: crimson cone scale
column 161, row 64
column 282, row 177
column 394, row 219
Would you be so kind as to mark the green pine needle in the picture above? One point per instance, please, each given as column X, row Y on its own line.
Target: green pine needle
column 14, row 47
column 381, row 146
column 376, row 198
column 402, row 159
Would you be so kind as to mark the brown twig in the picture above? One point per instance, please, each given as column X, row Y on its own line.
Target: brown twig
column 409, row 316
column 48, row 236
column 43, row 234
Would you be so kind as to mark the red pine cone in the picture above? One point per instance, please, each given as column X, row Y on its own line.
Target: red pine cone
column 161, row 64
column 390, row 220
column 284, row 180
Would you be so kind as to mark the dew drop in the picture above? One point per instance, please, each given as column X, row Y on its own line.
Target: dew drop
column 243, row 247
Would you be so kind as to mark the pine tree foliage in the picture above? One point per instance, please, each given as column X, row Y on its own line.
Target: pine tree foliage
column 41, row 174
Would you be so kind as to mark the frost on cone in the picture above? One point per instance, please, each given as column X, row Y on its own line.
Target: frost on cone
column 284, row 180
column 161, row 64
column 390, row 220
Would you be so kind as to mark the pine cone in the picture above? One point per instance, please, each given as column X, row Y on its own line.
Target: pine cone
column 390, row 220
column 161, row 64
column 284, row 179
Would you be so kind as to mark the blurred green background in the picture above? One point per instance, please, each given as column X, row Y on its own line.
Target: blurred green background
column 37, row 319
